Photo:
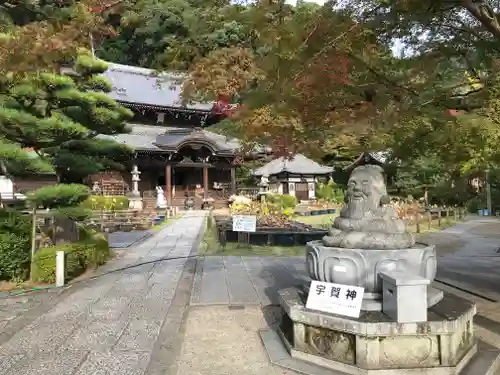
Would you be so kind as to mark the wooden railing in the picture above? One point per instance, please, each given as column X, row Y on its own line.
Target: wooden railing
column 248, row 192
column 425, row 220
column 120, row 220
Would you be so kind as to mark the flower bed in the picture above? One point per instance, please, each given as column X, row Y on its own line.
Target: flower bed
column 293, row 234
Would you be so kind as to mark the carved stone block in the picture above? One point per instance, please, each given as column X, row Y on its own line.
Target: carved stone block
column 375, row 342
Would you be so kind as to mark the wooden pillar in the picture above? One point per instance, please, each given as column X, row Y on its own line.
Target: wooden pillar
column 233, row 181
column 205, row 182
column 168, row 184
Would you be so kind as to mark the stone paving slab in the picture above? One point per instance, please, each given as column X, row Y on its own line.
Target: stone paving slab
column 220, row 340
column 236, row 280
column 121, row 240
column 109, row 325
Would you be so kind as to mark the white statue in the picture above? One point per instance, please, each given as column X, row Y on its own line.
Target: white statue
column 160, row 198
column 264, row 181
column 96, row 189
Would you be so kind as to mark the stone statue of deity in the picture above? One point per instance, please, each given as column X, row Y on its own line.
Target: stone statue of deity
column 160, row 198
column 367, row 221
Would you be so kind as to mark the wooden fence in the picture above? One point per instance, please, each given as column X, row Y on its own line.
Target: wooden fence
column 436, row 218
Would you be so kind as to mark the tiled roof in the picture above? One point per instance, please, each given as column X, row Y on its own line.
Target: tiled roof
column 143, row 86
column 378, row 157
column 298, row 165
column 147, row 137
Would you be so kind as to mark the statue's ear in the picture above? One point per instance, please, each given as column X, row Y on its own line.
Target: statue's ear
column 385, row 199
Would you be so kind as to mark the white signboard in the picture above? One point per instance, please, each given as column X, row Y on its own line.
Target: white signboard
column 244, row 223
column 335, row 298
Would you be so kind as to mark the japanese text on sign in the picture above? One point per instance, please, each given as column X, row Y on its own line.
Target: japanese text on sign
column 244, row 223
column 335, row 298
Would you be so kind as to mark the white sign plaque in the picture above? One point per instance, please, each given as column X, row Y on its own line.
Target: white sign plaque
column 335, row 298
column 244, row 223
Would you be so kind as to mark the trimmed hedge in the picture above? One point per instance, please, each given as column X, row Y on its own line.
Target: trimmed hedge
column 15, row 245
column 90, row 252
column 60, row 195
column 106, row 203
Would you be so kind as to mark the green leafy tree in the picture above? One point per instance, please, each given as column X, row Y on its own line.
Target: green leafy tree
column 60, row 118
column 172, row 33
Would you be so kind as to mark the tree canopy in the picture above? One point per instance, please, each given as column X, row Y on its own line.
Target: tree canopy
column 418, row 78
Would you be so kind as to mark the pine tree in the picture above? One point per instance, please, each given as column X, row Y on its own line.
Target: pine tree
column 59, row 117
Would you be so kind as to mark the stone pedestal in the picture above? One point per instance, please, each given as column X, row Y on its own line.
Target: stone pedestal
column 362, row 267
column 374, row 344
column 135, row 203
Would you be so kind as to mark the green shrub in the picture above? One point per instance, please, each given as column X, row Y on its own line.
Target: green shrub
column 77, row 213
column 14, row 222
column 15, row 245
column 90, row 252
column 475, row 204
column 288, row 212
column 44, row 267
column 106, row 203
column 330, row 192
column 288, row 201
column 80, row 256
column 60, row 195
column 14, row 256
column 282, row 200
column 99, row 252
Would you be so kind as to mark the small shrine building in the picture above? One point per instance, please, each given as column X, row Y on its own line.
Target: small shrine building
column 296, row 176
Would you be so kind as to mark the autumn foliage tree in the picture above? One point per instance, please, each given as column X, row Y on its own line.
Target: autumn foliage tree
column 36, row 35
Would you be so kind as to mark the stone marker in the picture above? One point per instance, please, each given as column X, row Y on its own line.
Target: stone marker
column 404, row 297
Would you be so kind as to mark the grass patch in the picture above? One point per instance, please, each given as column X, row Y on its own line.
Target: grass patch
column 317, row 221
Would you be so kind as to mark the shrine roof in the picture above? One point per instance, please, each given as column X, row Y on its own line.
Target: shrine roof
column 162, row 138
column 145, row 87
column 300, row 164
column 375, row 158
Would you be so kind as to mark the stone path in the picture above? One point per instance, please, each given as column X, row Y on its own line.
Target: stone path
column 120, row 323
column 120, row 240
column 474, row 264
column 235, row 280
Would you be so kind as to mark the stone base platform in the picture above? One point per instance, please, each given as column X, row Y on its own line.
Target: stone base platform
column 318, row 343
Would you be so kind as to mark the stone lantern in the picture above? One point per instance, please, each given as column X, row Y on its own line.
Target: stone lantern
column 135, row 200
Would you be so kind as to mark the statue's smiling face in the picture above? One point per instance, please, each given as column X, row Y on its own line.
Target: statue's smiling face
column 365, row 188
column 358, row 187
